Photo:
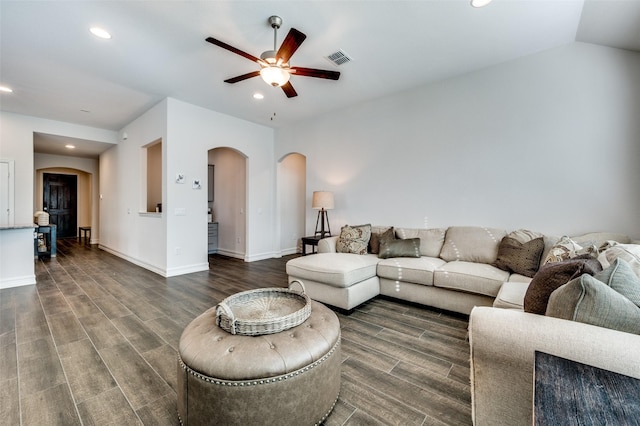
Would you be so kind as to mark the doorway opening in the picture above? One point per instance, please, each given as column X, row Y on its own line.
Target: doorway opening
column 228, row 201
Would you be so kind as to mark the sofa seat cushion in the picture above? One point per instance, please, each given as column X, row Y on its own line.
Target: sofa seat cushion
column 414, row 270
column 336, row 269
column 480, row 278
column 511, row 295
column 517, row 278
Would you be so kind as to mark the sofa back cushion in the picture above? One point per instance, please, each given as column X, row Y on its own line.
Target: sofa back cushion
column 431, row 240
column 628, row 252
column 472, row 244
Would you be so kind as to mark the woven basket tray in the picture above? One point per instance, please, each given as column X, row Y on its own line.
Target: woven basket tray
column 263, row 311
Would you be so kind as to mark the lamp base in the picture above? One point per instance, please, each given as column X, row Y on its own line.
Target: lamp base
column 323, row 217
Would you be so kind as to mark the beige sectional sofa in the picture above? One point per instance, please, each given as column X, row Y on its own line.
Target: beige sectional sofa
column 455, row 271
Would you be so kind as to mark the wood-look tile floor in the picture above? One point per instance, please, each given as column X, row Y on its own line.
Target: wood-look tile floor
column 94, row 342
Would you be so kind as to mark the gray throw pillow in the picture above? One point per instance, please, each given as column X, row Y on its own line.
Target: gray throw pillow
column 553, row 275
column 520, row 258
column 587, row 300
column 354, row 239
column 620, row 277
column 399, row 248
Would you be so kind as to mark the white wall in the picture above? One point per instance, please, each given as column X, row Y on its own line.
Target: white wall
column 16, row 143
column 291, row 201
column 126, row 230
column 200, row 130
column 547, row 142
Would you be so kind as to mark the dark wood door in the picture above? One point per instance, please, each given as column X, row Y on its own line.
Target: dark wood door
column 60, row 201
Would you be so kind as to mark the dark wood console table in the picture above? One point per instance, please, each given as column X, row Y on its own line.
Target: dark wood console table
column 311, row 241
column 571, row 393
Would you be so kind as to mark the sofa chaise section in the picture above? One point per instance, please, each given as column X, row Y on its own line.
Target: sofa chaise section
column 343, row 280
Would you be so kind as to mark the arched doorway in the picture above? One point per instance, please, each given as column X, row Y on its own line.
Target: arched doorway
column 228, row 200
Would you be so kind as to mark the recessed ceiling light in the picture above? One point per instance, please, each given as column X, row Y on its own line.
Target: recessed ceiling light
column 258, row 96
column 69, row 146
column 480, row 3
column 6, row 89
column 99, row 32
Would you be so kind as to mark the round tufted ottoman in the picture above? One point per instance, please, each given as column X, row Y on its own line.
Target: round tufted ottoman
column 287, row 378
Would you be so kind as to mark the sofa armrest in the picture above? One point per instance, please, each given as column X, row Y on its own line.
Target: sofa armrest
column 327, row 245
column 503, row 343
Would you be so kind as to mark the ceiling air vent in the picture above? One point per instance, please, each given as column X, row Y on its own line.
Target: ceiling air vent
column 339, row 58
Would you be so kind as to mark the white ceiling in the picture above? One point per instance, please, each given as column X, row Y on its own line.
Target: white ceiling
column 59, row 71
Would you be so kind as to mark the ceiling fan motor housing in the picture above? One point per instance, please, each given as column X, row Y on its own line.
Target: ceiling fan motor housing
column 275, row 21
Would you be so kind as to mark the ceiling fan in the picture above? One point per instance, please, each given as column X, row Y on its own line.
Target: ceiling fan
column 274, row 64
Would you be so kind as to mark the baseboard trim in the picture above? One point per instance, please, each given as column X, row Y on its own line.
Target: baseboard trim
column 138, row 262
column 198, row 267
column 17, row 281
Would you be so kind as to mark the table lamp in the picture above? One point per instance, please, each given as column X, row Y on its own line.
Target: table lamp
column 322, row 200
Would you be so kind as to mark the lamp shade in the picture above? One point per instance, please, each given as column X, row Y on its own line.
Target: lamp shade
column 322, row 200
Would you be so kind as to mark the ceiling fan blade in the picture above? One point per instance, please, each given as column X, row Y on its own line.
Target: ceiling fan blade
column 312, row 72
column 289, row 90
column 291, row 42
column 231, row 49
column 242, row 77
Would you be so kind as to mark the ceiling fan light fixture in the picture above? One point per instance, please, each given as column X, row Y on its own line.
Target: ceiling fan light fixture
column 275, row 76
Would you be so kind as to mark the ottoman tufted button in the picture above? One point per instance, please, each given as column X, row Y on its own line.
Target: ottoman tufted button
column 230, row 349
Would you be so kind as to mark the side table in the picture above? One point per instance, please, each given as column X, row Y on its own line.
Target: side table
column 311, row 241
column 571, row 393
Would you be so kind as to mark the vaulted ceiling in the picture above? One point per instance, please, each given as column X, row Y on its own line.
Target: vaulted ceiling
column 58, row 70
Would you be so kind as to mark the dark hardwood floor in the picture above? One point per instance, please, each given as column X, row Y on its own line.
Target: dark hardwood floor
column 95, row 340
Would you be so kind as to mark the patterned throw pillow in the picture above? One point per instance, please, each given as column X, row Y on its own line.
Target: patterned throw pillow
column 566, row 248
column 520, row 258
column 354, row 239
